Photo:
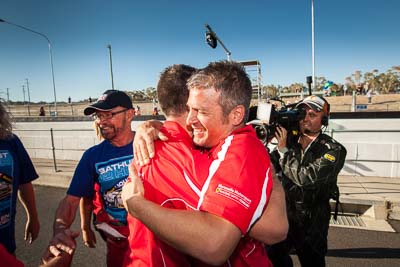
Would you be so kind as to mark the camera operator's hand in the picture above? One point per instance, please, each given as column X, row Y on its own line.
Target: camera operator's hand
column 281, row 136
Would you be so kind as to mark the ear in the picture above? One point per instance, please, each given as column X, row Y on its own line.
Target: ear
column 237, row 115
column 130, row 113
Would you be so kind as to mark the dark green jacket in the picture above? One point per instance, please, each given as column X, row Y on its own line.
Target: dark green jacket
column 310, row 180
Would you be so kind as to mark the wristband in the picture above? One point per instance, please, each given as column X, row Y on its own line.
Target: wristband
column 60, row 227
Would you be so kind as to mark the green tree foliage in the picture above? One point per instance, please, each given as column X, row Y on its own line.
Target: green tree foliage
column 380, row 83
column 350, row 84
column 296, row 88
column 319, row 83
column 151, row 92
column 371, row 80
column 269, row 91
column 148, row 94
column 389, row 81
column 336, row 89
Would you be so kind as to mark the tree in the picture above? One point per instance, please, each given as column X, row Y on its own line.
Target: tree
column 335, row 89
column 396, row 78
column 270, row 91
column 151, row 93
column 136, row 95
column 285, row 90
column 143, row 95
column 319, row 83
column 296, row 88
column 389, row 81
column 357, row 77
column 350, row 84
column 372, row 81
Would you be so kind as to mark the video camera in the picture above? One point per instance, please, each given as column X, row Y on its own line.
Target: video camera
column 266, row 117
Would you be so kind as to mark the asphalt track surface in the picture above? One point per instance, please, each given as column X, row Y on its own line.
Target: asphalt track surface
column 347, row 247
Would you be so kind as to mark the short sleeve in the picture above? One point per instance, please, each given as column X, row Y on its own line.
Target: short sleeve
column 82, row 183
column 240, row 187
column 28, row 172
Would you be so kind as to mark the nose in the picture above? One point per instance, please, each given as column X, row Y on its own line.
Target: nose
column 306, row 116
column 192, row 117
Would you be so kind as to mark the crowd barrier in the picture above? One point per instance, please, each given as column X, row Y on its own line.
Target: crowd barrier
column 369, row 152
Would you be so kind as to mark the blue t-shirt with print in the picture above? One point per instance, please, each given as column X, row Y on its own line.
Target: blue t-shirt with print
column 109, row 166
column 16, row 168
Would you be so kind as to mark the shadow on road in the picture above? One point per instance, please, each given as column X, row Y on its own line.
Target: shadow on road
column 370, row 253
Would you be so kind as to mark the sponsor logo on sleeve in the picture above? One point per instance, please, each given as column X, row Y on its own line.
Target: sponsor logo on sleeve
column 329, row 157
column 234, row 195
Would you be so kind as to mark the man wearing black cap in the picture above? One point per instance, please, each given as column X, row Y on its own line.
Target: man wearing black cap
column 308, row 170
column 100, row 174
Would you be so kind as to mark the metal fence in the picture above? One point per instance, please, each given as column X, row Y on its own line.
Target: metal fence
column 51, row 146
column 66, row 110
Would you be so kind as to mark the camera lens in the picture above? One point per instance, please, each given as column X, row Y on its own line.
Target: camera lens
column 263, row 132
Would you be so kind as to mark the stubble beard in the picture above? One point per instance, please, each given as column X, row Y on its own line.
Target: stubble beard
column 108, row 135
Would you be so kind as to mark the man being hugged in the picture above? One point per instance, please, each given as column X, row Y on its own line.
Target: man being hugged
column 208, row 209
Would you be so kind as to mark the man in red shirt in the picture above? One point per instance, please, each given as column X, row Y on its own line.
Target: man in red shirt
column 175, row 158
column 215, row 181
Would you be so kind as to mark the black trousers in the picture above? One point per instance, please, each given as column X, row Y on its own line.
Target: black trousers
column 308, row 240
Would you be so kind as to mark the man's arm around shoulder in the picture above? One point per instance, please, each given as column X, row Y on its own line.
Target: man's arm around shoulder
column 202, row 235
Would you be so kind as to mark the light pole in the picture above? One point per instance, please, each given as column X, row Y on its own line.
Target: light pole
column 23, row 92
column 50, row 54
column 111, row 68
column 29, row 96
column 312, row 45
column 8, row 96
column 212, row 40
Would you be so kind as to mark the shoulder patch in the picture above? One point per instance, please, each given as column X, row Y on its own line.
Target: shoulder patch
column 329, row 157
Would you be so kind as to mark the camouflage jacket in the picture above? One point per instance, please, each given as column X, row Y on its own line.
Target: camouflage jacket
column 310, row 179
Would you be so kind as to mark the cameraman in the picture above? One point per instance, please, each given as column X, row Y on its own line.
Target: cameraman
column 308, row 171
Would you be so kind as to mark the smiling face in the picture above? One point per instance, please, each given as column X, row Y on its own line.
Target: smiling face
column 115, row 126
column 219, row 98
column 206, row 118
column 312, row 122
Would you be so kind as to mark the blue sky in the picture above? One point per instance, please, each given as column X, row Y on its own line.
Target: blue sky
column 147, row 36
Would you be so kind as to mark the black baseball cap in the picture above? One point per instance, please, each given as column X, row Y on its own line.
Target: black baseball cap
column 109, row 100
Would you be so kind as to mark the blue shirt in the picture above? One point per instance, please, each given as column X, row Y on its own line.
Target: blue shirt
column 16, row 168
column 106, row 165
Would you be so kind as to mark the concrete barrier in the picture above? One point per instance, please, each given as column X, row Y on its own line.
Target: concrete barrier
column 373, row 146
column 374, row 153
